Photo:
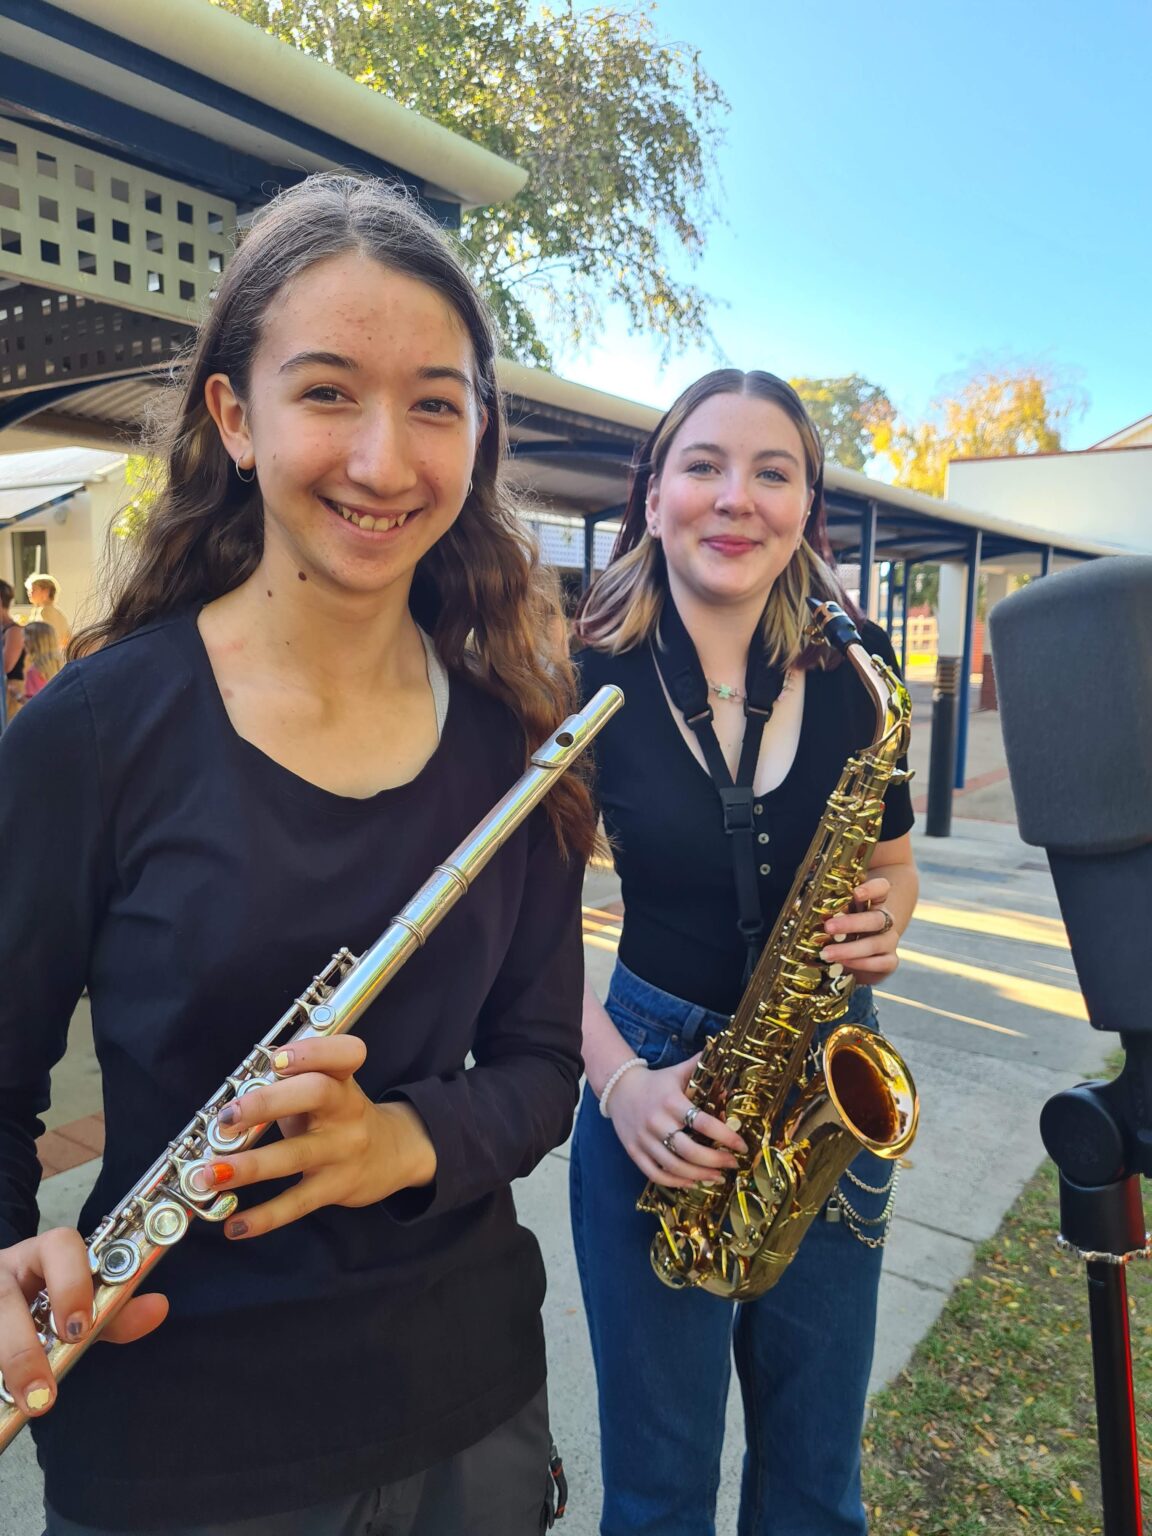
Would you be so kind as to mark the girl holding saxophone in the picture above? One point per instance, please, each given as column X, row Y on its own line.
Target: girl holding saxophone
column 723, row 541
column 359, row 1346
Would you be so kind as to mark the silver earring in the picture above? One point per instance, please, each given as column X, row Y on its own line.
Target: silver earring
column 240, row 475
column 468, row 492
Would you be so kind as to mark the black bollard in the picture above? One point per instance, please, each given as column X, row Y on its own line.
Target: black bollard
column 942, row 755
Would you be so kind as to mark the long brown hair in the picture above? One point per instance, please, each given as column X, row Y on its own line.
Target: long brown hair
column 480, row 591
column 622, row 607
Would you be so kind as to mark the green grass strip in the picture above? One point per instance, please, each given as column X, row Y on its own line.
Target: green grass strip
column 992, row 1428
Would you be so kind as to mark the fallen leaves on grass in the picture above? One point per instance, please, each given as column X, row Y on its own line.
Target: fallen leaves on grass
column 991, row 1429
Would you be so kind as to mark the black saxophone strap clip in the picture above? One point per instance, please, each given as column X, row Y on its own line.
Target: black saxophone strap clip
column 736, row 801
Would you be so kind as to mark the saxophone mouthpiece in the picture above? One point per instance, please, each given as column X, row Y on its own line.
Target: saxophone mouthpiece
column 832, row 624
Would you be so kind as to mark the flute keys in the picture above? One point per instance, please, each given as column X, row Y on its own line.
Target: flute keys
column 52, row 1328
column 119, row 1262
column 166, row 1223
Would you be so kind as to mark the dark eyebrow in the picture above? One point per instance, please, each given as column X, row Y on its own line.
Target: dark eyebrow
column 448, row 373
column 318, row 359
column 335, row 360
column 765, row 453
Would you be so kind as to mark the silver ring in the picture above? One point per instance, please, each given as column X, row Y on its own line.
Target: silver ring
column 690, row 1117
column 666, row 1141
column 889, row 920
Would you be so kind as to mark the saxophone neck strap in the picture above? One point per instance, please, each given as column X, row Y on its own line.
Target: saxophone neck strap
column 679, row 667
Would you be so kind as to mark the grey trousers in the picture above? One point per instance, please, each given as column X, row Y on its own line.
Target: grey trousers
column 497, row 1487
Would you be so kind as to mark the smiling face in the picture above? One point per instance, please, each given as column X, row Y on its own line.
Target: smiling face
column 362, row 418
column 730, row 500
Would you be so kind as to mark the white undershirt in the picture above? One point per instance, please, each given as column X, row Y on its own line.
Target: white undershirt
column 437, row 681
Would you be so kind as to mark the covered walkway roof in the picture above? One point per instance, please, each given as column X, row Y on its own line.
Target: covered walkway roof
column 135, row 142
column 172, row 83
column 572, row 447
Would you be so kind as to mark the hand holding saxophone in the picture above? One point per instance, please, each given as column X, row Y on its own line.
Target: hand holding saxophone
column 345, row 1149
column 651, row 1113
column 864, row 939
column 57, row 1261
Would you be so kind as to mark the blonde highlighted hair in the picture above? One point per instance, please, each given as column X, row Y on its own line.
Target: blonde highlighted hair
column 622, row 607
column 42, row 649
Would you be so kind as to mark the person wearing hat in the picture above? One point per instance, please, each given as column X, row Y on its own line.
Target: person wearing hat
column 42, row 589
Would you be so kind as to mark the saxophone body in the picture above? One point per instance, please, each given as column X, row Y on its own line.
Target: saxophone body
column 805, row 1112
column 157, row 1212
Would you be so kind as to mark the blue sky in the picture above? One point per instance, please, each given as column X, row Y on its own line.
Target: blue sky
column 908, row 186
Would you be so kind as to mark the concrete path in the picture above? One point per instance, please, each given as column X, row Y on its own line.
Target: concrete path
column 986, row 1010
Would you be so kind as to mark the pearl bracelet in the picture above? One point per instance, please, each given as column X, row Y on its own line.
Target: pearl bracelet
column 625, row 1066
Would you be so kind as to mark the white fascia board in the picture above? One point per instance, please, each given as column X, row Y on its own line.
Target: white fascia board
column 547, row 388
column 857, row 484
column 233, row 53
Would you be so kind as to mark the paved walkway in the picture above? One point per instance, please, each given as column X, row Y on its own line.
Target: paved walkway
column 986, row 1009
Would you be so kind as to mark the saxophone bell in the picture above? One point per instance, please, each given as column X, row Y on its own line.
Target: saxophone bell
column 737, row 1238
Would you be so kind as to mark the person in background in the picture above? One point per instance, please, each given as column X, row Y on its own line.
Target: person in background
column 42, row 590
column 42, row 657
column 722, row 543
column 11, row 653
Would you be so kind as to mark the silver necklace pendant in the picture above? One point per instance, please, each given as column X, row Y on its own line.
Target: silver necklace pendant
column 722, row 691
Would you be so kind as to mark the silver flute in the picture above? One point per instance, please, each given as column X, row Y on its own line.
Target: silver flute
column 156, row 1213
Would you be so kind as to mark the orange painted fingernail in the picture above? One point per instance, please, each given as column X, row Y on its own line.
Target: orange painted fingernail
column 38, row 1398
column 223, row 1173
column 282, row 1060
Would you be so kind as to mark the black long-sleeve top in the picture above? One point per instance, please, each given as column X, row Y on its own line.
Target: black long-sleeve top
column 663, row 816
column 195, row 886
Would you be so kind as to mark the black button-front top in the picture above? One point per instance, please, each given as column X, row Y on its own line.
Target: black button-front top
column 663, row 816
column 195, row 886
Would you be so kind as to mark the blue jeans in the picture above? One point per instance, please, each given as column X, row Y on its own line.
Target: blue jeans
column 663, row 1358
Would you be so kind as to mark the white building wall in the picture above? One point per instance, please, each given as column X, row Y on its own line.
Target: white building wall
column 1104, row 494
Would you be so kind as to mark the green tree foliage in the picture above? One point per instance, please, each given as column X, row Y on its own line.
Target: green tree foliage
column 848, row 413
column 925, row 587
column 141, row 476
column 995, row 411
column 616, row 127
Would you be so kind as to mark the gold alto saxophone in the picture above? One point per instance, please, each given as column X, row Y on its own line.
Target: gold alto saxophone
column 804, row 1124
column 155, row 1215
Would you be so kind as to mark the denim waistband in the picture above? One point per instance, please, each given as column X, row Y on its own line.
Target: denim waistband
column 693, row 1024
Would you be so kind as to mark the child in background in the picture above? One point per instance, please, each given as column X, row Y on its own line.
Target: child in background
column 42, row 657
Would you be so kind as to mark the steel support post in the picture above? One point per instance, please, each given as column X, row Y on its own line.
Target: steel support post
column 970, row 596
column 867, row 550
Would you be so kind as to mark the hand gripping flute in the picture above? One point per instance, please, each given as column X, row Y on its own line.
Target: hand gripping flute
column 155, row 1215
